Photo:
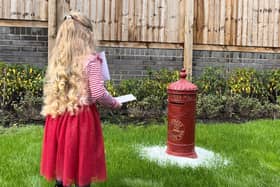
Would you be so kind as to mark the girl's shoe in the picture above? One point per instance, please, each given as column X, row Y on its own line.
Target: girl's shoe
column 58, row 183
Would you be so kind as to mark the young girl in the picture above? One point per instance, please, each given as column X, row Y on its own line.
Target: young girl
column 73, row 148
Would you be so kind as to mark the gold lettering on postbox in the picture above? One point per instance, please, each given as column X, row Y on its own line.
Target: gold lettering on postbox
column 177, row 130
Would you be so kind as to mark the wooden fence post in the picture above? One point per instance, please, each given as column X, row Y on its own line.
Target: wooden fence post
column 188, row 43
column 52, row 25
column 61, row 13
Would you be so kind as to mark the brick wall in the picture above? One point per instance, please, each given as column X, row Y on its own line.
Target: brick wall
column 24, row 45
column 126, row 63
column 29, row 45
column 232, row 60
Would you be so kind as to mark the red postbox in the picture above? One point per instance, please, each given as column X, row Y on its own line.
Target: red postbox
column 181, row 117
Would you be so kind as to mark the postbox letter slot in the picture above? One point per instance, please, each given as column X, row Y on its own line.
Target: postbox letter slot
column 177, row 103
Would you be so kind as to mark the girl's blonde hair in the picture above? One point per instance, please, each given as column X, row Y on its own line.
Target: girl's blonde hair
column 64, row 77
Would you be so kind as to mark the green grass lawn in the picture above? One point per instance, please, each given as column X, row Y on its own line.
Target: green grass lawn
column 253, row 149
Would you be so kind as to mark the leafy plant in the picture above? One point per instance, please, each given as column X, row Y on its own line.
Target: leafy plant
column 210, row 106
column 246, row 82
column 16, row 80
column 212, row 81
column 21, row 86
column 272, row 85
column 28, row 109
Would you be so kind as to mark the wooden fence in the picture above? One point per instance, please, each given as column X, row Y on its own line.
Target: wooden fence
column 215, row 22
column 237, row 22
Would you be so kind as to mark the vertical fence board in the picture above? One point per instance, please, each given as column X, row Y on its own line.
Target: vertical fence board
column 255, row 23
column 144, row 18
column 205, row 25
column 216, row 22
column 244, row 22
column 239, row 23
column 7, row 7
column 106, row 16
column 250, row 23
column 234, row 19
column 222, row 22
column 131, row 25
column 137, row 19
column 210, row 21
column 195, row 21
column 276, row 22
column 124, row 15
column 227, row 32
column 260, row 22
column 270, row 22
column 72, row 4
column 162, row 14
column 150, row 11
column 172, row 21
column 52, row 26
column 166, row 21
column 278, row 35
column 13, row 10
column 199, row 22
column 1, row 8
column 265, row 25
column 156, row 21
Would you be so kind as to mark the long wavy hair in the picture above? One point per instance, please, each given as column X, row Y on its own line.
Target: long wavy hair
column 64, row 76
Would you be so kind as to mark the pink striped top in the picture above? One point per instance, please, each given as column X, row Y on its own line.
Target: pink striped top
column 96, row 91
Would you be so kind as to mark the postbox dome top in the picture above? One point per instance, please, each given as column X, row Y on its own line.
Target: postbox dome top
column 182, row 84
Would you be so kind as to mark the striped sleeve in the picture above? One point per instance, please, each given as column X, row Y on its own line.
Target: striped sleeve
column 97, row 90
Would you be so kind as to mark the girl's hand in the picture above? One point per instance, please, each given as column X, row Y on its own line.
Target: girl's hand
column 117, row 105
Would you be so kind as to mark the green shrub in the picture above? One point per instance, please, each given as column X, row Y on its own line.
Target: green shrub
column 238, row 107
column 245, row 94
column 21, row 87
column 272, row 85
column 209, row 106
column 234, row 108
column 247, row 82
column 212, row 81
column 28, row 109
column 151, row 94
column 16, row 80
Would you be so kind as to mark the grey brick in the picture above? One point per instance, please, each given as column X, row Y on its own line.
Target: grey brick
column 14, row 37
column 8, row 58
column 42, row 49
column 7, row 49
column 28, row 49
column 5, row 42
column 4, row 37
column 42, row 38
column 235, row 55
column 227, row 54
column 217, row 54
column 15, row 30
column 28, row 38
column 37, row 31
column 277, row 56
column 4, row 30
column 28, row 43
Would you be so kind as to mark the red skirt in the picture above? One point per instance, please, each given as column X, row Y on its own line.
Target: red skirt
column 73, row 148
